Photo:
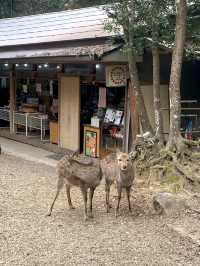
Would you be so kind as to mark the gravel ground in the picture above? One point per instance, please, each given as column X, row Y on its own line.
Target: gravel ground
column 28, row 237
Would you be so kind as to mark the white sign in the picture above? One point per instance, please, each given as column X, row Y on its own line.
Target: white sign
column 116, row 76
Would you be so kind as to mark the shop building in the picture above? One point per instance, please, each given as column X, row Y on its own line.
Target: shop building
column 63, row 79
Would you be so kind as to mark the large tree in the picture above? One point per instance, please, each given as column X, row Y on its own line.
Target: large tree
column 175, row 142
column 125, row 14
column 156, row 15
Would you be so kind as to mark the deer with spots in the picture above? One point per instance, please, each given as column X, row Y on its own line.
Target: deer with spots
column 85, row 175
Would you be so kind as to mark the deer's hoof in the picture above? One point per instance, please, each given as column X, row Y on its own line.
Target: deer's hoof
column 72, row 208
column 86, row 218
column 116, row 214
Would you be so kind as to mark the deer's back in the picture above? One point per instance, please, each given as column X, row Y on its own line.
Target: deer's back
column 75, row 172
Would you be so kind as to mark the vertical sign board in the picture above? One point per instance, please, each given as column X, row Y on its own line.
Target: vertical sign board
column 116, row 76
column 91, row 141
column 70, row 113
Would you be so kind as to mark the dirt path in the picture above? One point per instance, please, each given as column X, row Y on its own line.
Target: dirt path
column 27, row 237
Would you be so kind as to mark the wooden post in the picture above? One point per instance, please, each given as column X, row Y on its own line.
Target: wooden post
column 12, row 99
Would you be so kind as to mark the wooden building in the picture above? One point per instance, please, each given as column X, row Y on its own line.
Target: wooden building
column 62, row 72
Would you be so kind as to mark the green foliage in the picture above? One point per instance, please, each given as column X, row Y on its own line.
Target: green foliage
column 20, row 7
column 15, row 8
column 193, row 31
column 152, row 22
column 144, row 22
column 87, row 3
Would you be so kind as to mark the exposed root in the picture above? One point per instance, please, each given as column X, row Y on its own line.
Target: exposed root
column 172, row 163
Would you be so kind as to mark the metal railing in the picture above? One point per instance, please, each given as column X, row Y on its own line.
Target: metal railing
column 28, row 120
column 32, row 121
column 4, row 114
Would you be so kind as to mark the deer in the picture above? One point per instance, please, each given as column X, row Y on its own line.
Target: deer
column 72, row 172
column 119, row 169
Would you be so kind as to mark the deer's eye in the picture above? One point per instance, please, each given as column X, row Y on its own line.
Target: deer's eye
column 120, row 160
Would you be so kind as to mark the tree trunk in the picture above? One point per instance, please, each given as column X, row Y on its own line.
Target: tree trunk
column 133, row 113
column 156, row 96
column 134, row 77
column 135, row 86
column 175, row 140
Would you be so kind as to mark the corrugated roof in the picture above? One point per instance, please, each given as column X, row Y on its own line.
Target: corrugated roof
column 85, row 23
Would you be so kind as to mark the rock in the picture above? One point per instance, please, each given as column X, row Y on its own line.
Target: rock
column 167, row 203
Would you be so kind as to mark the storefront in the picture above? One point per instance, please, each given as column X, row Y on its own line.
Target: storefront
column 78, row 106
column 63, row 80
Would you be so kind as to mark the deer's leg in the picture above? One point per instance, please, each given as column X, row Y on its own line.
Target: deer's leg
column 59, row 187
column 91, row 198
column 84, row 193
column 128, row 190
column 119, row 190
column 107, row 188
column 69, row 197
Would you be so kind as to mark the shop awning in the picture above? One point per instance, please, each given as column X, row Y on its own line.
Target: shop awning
column 70, row 51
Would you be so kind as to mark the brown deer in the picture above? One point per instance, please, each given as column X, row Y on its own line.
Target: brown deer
column 119, row 169
column 72, row 172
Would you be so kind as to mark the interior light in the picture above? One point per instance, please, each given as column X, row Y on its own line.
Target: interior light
column 16, row 65
column 46, row 65
column 98, row 66
column 6, row 65
column 25, row 65
column 40, row 66
column 58, row 67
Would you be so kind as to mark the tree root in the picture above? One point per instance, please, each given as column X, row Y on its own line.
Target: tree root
column 178, row 160
column 194, row 210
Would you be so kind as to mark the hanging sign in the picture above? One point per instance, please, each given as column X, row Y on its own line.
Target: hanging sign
column 116, row 76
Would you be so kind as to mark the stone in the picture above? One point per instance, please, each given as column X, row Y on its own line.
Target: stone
column 168, row 203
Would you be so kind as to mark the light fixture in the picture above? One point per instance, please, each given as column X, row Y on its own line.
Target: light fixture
column 58, row 67
column 45, row 65
column 6, row 65
column 25, row 65
column 40, row 66
column 16, row 65
column 98, row 66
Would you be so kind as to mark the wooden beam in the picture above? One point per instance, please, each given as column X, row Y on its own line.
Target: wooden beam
column 126, row 121
column 12, row 98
